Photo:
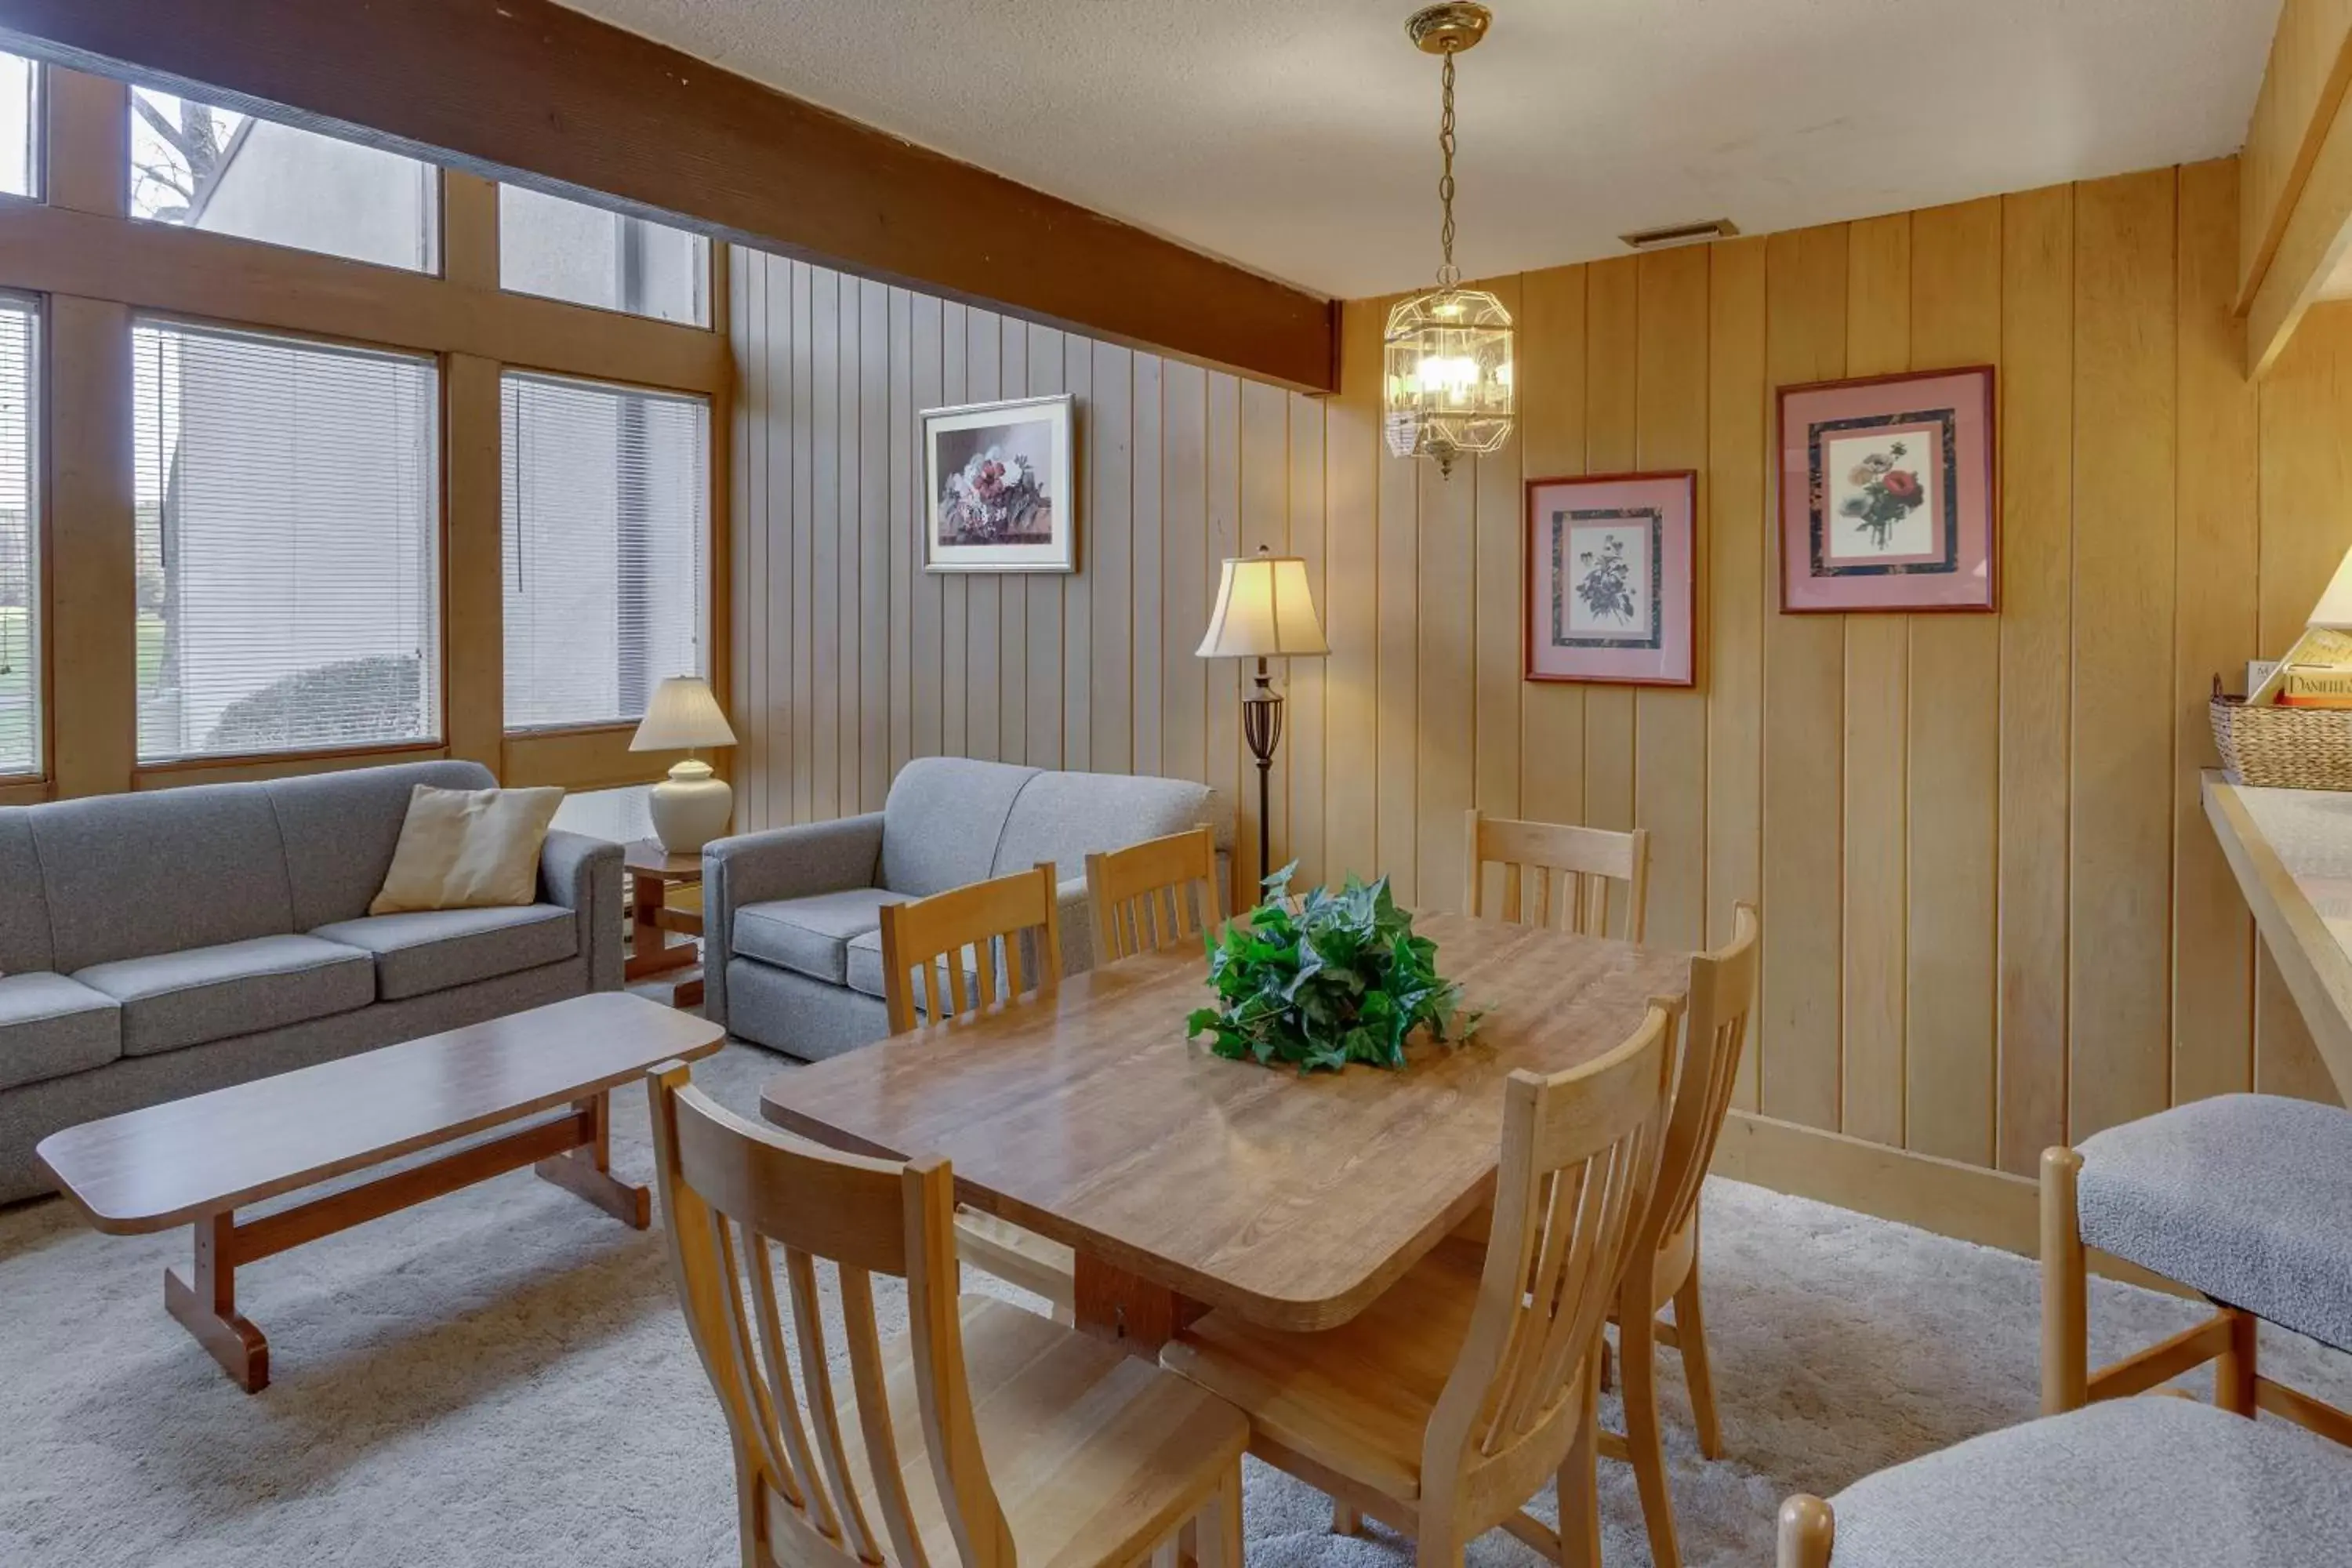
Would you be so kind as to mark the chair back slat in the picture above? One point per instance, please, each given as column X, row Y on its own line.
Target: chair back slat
column 1152, row 895
column 733, row 1194
column 995, row 941
column 1580, row 1162
column 1579, row 874
column 1715, row 1033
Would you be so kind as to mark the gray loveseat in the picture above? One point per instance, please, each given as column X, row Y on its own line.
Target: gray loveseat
column 154, row 946
column 791, row 918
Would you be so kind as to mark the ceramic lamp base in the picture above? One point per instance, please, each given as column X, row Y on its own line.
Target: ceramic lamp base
column 690, row 807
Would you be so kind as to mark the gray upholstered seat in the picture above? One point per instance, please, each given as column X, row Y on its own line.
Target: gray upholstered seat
column 2150, row 1482
column 425, row 951
column 174, row 999
column 51, row 1025
column 811, row 935
column 2243, row 1196
column 865, row 978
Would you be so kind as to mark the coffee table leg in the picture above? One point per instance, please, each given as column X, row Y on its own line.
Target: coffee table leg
column 588, row 1170
column 207, row 1308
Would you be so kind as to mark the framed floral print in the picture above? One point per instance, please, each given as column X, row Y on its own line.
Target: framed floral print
column 999, row 480
column 1609, row 578
column 1887, row 494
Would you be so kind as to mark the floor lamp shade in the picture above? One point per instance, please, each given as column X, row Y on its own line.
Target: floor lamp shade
column 692, row 806
column 1265, row 610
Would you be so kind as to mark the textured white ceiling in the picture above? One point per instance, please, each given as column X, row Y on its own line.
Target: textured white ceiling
column 1299, row 136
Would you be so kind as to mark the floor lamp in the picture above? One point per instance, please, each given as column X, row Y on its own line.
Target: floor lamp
column 1265, row 610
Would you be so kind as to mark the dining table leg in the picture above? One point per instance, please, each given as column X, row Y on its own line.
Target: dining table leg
column 1139, row 1314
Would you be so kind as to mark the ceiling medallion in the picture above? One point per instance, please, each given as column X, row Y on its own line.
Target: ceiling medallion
column 1448, row 354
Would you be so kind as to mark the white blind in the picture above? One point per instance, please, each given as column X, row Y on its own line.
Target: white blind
column 606, row 523
column 20, row 539
column 288, row 580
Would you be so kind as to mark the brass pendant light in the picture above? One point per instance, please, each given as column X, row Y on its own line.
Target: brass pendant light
column 1447, row 360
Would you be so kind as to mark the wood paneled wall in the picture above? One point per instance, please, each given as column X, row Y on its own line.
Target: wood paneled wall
column 1994, row 917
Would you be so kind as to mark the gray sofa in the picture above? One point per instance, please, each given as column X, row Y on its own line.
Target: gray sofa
column 791, row 918
column 158, row 945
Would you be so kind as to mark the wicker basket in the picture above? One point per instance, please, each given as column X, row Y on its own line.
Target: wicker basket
column 2282, row 748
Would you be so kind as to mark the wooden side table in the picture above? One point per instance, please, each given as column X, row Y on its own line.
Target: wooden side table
column 652, row 871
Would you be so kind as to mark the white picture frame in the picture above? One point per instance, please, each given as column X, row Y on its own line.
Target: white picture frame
column 1000, row 486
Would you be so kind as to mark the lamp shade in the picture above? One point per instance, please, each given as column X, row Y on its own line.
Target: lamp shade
column 682, row 716
column 2333, row 611
column 1264, row 611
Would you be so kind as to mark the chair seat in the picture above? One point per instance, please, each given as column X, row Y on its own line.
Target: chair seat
column 200, row 993
column 812, row 935
column 2151, row 1482
column 1095, row 1455
column 51, row 1025
column 425, row 951
column 1355, row 1399
column 2241, row 1196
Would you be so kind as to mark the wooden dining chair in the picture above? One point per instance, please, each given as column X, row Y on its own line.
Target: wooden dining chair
column 953, row 955
column 1152, row 895
column 1446, row 1404
column 984, row 1436
column 1559, row 875
column 1715, row 1031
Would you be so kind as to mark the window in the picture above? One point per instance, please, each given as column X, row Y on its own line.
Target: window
column 20, row 126
column 606, row 522
column 205, row 167
column 20, row 544
column 289, row 589
column 570, row 250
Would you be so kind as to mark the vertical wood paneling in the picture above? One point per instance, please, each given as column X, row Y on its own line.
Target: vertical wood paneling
column 1952, row 770
column 1737, row 539
column 1804, row 679
column 1877, row 693
column 2127, row 409
column 2218, row 550
column 1988, row 891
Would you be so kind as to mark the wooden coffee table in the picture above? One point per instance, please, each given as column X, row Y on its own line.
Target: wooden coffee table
column 198, row 1161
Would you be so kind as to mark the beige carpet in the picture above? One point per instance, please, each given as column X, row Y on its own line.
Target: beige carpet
column 499, row 1378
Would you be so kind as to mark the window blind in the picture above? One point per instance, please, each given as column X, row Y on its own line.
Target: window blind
column 606, row 527
column 288, row 575
column 20, row 544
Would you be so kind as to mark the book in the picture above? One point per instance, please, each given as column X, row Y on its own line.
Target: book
column 2320, row 649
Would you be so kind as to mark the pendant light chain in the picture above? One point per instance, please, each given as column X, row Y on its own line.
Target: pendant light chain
column 1447, row 274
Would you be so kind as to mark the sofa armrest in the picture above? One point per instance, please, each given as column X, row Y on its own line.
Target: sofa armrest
column 583, row 875
column 781, row 863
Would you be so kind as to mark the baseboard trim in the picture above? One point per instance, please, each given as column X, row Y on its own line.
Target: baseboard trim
column 1972, row 1203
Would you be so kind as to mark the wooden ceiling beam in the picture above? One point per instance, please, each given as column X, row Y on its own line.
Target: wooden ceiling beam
column 526, row 91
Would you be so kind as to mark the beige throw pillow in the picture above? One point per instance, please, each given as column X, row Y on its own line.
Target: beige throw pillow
column 467, row 848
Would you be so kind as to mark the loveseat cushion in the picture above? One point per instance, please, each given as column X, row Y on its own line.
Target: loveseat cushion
column 52, row 1025
column 340, row 828
column 152, row 873
column 1063, row 818
column 864, row 972
column 175, row 999
column 811, row 935
column 436, row 950
column 942, row 820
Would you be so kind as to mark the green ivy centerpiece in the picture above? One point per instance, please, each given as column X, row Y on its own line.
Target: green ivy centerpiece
column 1339, row 979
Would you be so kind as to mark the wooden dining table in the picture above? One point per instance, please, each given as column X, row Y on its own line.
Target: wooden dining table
column 1186, row 1181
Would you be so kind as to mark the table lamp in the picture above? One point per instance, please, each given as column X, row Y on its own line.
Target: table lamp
column 1265, row 610
column 691, row 806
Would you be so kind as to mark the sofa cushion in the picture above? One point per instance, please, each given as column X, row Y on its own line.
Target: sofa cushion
column 2240, row 1196
column 864, row 973
column 51, row 1025
column 175, row 999
column 942, row 820
column 2147, row 1481
column 339, row 830
column 434, row 950
column 1064, row 817
column 24, row 907
column 811, row 935
column 129, row 875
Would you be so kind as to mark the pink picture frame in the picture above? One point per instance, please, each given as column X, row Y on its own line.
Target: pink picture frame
column 1608, row 579
column 1889, row 494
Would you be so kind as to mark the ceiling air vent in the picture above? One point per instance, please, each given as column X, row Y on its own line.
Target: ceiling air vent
column 1681, row 234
